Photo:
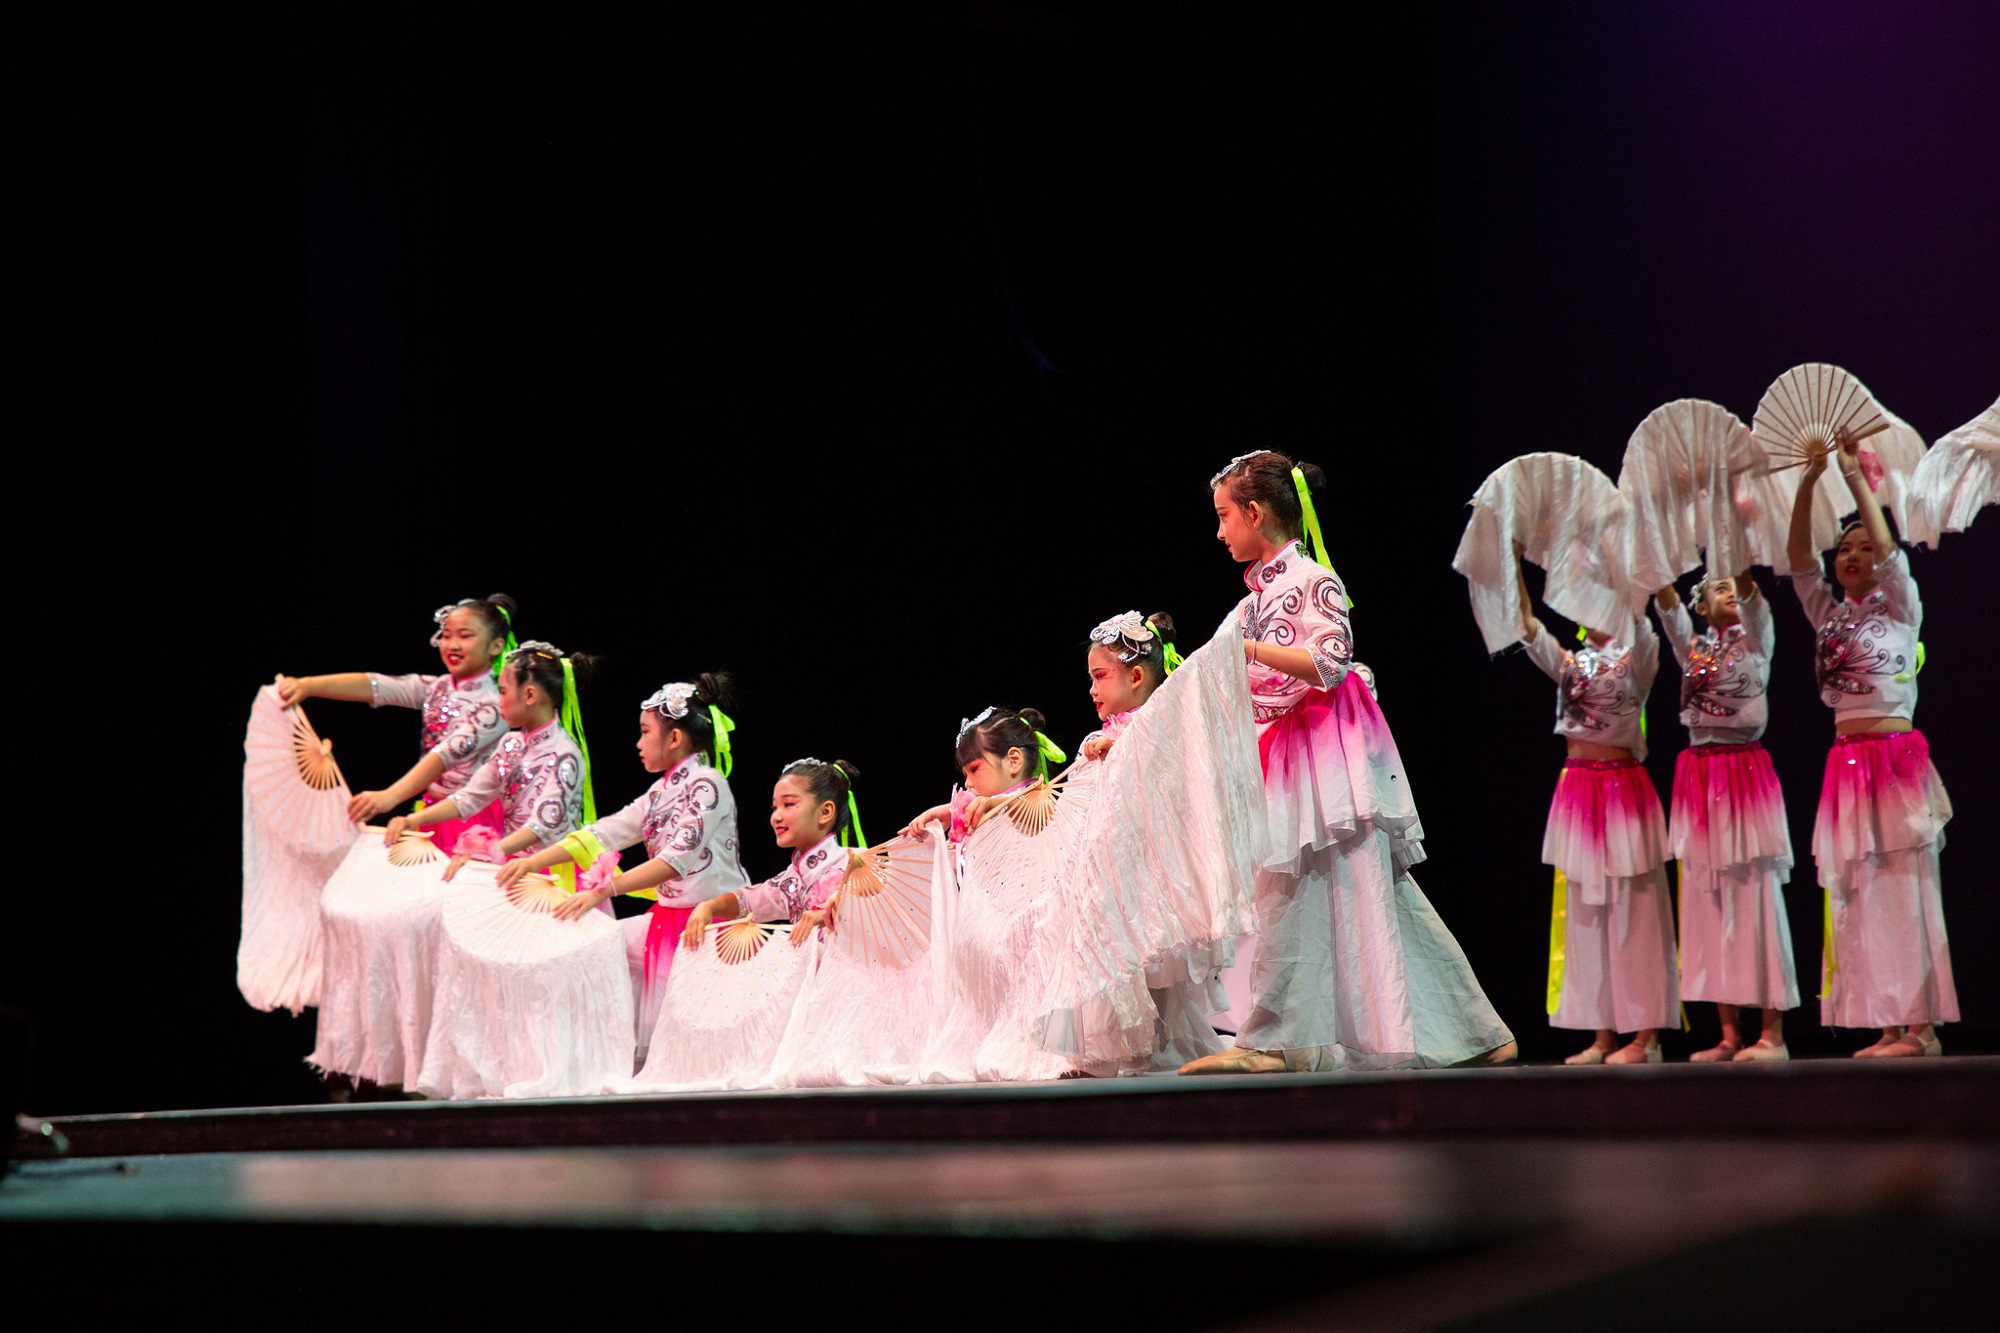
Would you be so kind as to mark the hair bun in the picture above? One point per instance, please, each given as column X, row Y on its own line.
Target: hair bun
column 1163, row 625
column 1033, row 717
column 1315, row 479
column 505, row 603
column 848, row 771
column 715, row 689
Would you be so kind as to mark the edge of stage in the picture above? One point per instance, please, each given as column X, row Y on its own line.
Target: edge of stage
column 1957, row 1097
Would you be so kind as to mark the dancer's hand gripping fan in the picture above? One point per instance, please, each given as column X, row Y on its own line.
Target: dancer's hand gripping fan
column 727, row 1004
column 1571, row 521
column 1681, row 473
column 882, row 912
column 295, row 832
column 1802, row 416
column 1958, row 477
column 527, row 1004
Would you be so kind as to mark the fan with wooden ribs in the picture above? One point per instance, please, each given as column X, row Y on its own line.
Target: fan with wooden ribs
column 293, row 784
column 882, row 914
column 1803, row 416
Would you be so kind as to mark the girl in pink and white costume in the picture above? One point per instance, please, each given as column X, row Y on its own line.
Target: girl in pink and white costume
column 375, row 992
column 1353, row 965
column 1607, row 838
column 461, row 709
column 992, row 897
column 1882, row 808
column 539, row 778
column 1728, row 829
column 687, row 821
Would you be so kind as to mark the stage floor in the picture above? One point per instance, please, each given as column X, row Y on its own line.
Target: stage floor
column 1669, row 1196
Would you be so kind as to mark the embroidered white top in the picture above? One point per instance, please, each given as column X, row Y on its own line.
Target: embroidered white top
column 1867, row 653
column 1295, row 602
column 462, row 721
column 1724, row 674
column 1600, row 692
column 688, row 820
column 808, row 882
column 538, row 778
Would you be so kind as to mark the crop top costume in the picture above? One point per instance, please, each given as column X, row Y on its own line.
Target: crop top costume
column 538, row 778
column 462, row 721
column 804, row 886
column 1724, row 673
column 1601, row 691
column 687, row 819
column 1866, row 657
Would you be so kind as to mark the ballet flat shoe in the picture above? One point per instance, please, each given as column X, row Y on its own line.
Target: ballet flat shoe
column 1719, row 1053
column 1764, row 1050
column 1589, row 1055
column 1632, row 1053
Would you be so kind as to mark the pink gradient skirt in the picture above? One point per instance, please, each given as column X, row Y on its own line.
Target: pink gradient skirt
column 1332, row 772
column 446, row 832
column 1728, row 808
column 1881, row 794
column 1605, row 825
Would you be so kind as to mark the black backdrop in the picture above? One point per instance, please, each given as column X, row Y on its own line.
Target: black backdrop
column 878, row 356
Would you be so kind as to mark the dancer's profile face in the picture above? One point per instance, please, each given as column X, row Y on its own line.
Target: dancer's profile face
column 517, row 701
column 798, row 821
column 991, row 774
column 465, row 646
column 656, row 742
column 1236, row 527
column 1115, row 687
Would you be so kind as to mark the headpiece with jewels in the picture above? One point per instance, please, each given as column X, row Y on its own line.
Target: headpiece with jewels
column 671, row 700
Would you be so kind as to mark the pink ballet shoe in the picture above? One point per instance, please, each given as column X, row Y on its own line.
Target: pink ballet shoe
column 1764, row 1050
column 1880, row 1048
column 1632, row 1053
column 1910, row 1046
column 1725, row 1050
column 1592, row 1054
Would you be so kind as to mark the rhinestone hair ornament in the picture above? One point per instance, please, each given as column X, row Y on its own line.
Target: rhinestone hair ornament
column 967, row 724
column 443, row 613
column 1128, row 636
column 671, row 700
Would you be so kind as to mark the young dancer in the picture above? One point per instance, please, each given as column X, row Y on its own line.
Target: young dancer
column 1607, row 840
column 1882, row 808
column 1728, row 829
column 990, row 900
column 1353, row 964
column 461, row 709
column 687, row 821
column 810, row 809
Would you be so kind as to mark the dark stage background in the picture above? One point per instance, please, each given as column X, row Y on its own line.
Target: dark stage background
column 878, row 354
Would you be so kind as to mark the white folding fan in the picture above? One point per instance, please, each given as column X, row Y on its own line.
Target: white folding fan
column 295, row 789
column 883, row 916
column 1958, row 477
column 1571, row 521
column 729, row 1000
column 1802, row 416
column 1679, row 476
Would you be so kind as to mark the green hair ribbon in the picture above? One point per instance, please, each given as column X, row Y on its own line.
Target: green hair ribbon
column 852, row 836
column 1310, row 517
column 572, row 722
column 500, row 661
column 1170, row 656
column 1049, row 749
column 725, row 754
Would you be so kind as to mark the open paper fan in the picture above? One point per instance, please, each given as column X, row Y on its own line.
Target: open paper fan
column 415, row 848
column 1958, row 477
column 738, row 981
column 1679, row 477
column 1571, row 521
column 295, row 789
column 533, row 893
column 740, row 941
column 1807, row 408
column 884, row 912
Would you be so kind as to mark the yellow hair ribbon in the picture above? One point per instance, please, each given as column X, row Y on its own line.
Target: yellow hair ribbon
column 852, row 836
column 1558, row 916
column 1170, row 656
column 1049, row 749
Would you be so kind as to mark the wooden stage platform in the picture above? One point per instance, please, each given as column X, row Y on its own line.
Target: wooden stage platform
column 1666, row 1196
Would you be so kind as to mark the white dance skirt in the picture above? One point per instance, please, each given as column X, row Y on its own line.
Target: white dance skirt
column 526, row 1005
column 728, row 1003
column 1351, row 955
column 1735, row 851
column 857, row 1023
column 1165, row 874
column 281, row 956
column 1882, row 816
column 1618, row 970
column 380, row 927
